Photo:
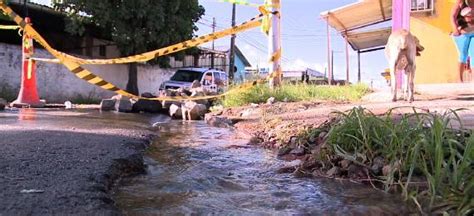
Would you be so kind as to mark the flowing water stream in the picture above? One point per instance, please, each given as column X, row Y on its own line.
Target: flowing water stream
column 195, row 169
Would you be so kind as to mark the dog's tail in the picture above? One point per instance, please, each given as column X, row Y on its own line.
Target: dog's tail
column 403, row 43
column 402, row 59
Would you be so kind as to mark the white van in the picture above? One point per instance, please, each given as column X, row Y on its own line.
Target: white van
column 212, row 80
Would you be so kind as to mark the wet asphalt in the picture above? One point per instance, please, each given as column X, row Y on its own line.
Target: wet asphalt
column 57, row 162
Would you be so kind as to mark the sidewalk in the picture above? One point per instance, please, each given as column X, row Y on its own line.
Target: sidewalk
column 454, row 91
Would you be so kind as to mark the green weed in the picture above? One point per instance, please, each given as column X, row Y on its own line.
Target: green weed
column 432, row 147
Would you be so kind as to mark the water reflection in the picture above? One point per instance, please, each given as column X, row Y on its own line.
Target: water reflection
column 196, row 169
column 27, row 114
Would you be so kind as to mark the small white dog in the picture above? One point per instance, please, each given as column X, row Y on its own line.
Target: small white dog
column 401, row 51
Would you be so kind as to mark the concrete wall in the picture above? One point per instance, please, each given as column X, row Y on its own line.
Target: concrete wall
column 57, row 84
column 438, row 63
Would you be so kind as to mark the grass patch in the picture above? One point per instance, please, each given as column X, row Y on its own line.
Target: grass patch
column 421, row 146
column 294, row 93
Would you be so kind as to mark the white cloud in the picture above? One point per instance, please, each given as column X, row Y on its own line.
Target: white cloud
column 300, row 64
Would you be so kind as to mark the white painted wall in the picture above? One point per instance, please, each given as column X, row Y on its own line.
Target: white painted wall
column 56, row 84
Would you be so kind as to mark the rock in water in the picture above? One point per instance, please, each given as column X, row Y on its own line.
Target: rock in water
column 3, row 103
column 148, row 106
column 148, row 95
column 175, row 111
column 107, row 104
column 193, row 111
column 124, row 105
column 217, row 121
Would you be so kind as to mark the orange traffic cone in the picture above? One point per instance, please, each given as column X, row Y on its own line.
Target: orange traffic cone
column 28, row 96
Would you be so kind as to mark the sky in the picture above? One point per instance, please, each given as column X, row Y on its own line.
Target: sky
column 304, row 42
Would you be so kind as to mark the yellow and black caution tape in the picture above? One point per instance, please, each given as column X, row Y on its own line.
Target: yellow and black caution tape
column 276, row 56
column 88, row 76
column 267, row 4
column 9, row 27
column 241, row 2
column 54, row 61
column 252, row 23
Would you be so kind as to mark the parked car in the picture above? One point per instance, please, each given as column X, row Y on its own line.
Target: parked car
column 212, row 80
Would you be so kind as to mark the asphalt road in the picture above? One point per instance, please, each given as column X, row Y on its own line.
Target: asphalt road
column 66, row 163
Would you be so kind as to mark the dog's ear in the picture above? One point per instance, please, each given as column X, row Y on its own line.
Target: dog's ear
column 419, row 47
column 418, row 44
column 419, row 50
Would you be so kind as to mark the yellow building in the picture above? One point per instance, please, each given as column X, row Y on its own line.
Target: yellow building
column 429, row 21
column 439, row 62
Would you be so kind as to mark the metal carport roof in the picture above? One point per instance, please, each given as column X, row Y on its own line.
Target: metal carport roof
column 358, row 15
column 366, row 40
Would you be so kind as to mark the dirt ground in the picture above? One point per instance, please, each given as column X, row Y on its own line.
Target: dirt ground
column 249, row 118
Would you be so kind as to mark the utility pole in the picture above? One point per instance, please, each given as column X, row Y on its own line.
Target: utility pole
column 347, row 61
column 232, row 49
column 332, row 68
column 274, row 45
column 358, row 63
column 329, row 52
column 213, row 30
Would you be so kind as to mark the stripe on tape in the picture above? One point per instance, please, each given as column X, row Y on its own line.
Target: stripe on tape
column 9, row 27
column 163, row 51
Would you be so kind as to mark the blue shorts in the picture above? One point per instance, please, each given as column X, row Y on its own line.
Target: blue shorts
column 465, row 46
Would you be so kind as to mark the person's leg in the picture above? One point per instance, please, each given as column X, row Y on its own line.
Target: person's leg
column 462, row 43
column 471, row 53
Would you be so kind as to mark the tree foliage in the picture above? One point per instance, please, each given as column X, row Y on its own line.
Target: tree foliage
column 136, row 26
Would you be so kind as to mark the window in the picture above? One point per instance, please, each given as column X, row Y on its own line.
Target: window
column 224, row 77
column 186, row 76
column 422, row 5
column 217, row 76
column 208, row 80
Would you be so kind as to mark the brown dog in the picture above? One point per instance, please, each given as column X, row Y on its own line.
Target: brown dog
column 401, row 50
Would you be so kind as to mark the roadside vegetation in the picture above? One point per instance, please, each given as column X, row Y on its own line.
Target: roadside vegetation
column 424, row 156
column 294, row 93
column 427, row 157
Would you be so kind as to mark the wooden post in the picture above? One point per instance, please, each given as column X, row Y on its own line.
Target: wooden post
column 274, row 46
column 213, row 30
column 232, row 50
